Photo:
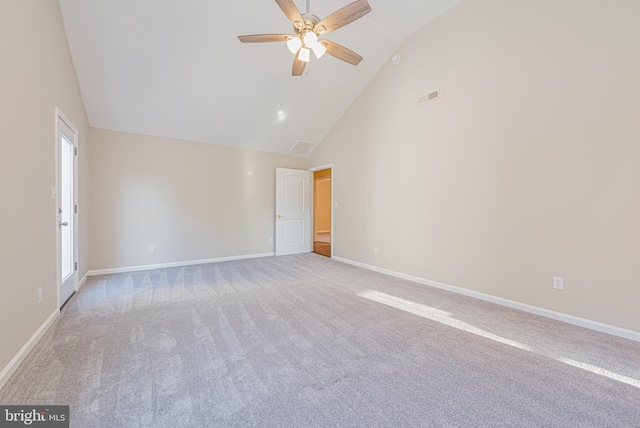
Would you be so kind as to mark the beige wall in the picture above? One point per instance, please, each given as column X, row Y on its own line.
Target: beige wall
column 525, row 169
column 36, row 76
column 192, row 201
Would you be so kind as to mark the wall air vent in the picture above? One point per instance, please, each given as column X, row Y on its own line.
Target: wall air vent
column 431, row 96
column 301, row 147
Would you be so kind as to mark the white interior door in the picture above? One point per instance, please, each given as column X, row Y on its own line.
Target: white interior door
column 293, row 211
column 66, row 197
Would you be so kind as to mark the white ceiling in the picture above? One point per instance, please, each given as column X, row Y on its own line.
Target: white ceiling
column 175, row 68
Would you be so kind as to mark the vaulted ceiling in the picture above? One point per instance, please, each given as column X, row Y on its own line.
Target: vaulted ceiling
column 175, row 68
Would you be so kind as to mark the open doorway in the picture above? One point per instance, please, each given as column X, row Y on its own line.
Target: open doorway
column 322, row 212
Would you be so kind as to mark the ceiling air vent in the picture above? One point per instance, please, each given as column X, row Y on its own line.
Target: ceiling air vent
column 301, row 147
column 431, row 96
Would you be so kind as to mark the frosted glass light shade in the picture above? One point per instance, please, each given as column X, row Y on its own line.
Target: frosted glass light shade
column 310, row 39
column 304, row 55
column 294, row 44
column 319, row 49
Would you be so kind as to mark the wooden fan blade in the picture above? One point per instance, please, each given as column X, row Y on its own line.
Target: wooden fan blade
column 289, row 8
column 298, row 67
column 342, row 53
column 264, row 38
column 343, row 16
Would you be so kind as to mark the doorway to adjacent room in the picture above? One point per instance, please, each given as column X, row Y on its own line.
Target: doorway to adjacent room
column 322, row 232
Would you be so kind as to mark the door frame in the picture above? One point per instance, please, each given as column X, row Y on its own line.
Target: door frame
column 60, row 116
column 333, row 205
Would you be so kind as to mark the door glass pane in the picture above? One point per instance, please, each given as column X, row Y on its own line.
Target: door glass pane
column 66, row 206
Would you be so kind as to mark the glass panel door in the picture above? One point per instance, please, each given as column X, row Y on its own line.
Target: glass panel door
column 67, row 200
column 66, row 207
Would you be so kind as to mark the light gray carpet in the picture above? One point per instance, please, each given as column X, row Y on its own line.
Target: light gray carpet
column 307, row 341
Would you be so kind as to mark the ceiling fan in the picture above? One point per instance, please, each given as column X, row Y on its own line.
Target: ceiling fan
column 308, row 27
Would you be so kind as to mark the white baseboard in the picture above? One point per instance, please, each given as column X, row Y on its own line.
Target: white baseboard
column 175, row 264
column 6, row 373
column 83, row 281
column 570, row 319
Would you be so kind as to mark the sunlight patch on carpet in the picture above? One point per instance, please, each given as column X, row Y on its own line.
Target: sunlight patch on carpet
column 446, row 318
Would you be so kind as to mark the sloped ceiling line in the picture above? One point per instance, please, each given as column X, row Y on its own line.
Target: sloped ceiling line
column 177, row 69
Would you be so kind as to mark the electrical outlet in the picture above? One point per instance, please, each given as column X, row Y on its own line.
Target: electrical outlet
column 40, row 295
column 152, row 248
column 375, row 250
column 270, row 240
column 558, row 283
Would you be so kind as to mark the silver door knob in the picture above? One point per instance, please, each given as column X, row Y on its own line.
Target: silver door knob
column 63, row 224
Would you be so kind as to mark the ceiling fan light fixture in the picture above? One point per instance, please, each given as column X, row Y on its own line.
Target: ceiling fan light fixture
column 303, row 55
column 294, row 45
column 307, row 28
column 319, row 49
column 310, row 39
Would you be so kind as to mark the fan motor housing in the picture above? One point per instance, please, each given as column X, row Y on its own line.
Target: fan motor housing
column 310, row 21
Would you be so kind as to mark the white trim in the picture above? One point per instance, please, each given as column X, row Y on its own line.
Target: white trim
column 320, row 168
column 175, row 264
column 65, row 120
column 570, row 319
column 333, row 209
column 82, row 281
column 22, row 354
